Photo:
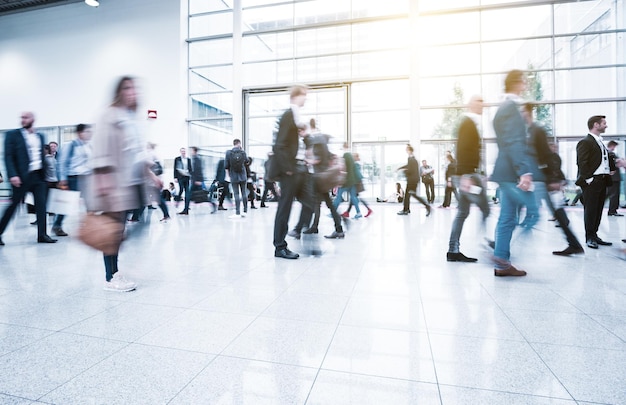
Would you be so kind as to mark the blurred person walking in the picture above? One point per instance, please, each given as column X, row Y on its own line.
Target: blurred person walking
column 427, row 174
column 349, row 186
column 24, row 160
column 182, row 173
column 450, row 188
column 411, row 172
column 120, row 170
column 73, row 164
column 269, row 184
column 235, row 166
column 512, row 171
column 613, row 191
column 467, row 177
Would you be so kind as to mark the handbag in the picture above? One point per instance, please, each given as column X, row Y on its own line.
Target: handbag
column 156, row 168
column 335, row 175
column 199, row 196
column 63, row 202
column 359, row 187
column 102, row 232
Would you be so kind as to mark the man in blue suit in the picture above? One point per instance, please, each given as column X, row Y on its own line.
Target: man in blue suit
column 512, row 171
column 23, row 157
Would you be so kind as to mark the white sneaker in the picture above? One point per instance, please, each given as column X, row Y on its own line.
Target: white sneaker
column 234, row 216
column 119, row 283
column 243, row 214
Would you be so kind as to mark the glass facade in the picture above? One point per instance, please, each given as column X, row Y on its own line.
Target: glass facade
column 393, row 72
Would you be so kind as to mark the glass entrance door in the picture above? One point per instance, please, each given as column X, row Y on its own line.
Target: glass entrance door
column 379, row 162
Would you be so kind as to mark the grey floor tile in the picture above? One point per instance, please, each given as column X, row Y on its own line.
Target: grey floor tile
column 13, row 337
column 36, row 369
column 616, row 324
column 135, row 375
column 285, row 341
column 458, row 395
column 345, row 388
column 10, row 400
column 594, row 375
column 381, row 352
column 385, row 313
column 197, row 330
column 307, row 307
column 239, row 300
column 229, row 380
column 493, row 364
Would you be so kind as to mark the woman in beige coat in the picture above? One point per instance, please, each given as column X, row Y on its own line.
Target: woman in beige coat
column 120, row 169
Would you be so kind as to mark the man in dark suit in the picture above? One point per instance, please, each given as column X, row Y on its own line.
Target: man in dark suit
column 512, row 171
column 594, row 176
column 289, row 168
column 467, row 177
column 23, row 157
column 182, row 172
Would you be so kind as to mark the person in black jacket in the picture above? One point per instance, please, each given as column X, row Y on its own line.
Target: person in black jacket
column 549, row 162
column 450, row 172
column 411, row 171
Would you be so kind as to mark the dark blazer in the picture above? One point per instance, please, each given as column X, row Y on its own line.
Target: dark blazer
column 411, row 170
column 539, row 150
column 616, row 176
column 16, row 158
column 220, row 172
column 513, row 159
column 286, row 146
column 588, row 159
column 197, row 174
column 178, row 163
column 467, row 147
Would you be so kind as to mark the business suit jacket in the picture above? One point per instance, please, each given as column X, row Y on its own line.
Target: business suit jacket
column 411, row 170
column 539, row 150
column 467, row 147
column 16, row 157
column 197, row 174
column 178, row 164
column 513, row 159
column 588, row 159
column 286, row 146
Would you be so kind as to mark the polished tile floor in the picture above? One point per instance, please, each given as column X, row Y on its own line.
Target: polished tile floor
column 379, row 318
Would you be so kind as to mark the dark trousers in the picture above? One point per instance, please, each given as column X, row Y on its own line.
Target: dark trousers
column 183, row 187
column 447, row 199
column 269, row 185
column 613, row 195
column 429, row 185
column 594, row 195
column 34, row 183
column 294, row 186
column 329, row 203
column 411, row 191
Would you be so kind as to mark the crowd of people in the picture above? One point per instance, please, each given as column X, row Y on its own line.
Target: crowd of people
column 119, row 177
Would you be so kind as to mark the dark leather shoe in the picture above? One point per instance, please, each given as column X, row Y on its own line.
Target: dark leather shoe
column 623, row 240
column 46, row 239
column 428, row 210
column 603, row 243
column 335, row 235
column 310, row 231
column 59, row 232
column 220, row 208
column 183, row 213
column 570, row 250
column 403, row 212
column 1, row 242
column 459, row 257
column 592, row 244
column 615, row 214
column 286, row 254
column 294, row 234
column 510, row 272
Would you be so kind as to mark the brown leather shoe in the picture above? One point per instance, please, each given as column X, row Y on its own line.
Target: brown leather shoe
column 510, row 271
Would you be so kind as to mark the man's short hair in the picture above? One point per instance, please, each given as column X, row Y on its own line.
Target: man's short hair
column 512, row 78
column 236, row 141
column 298, row 90
column 81, row 127
column 53, row 142
column 194, row 148
column 612, row 143
column 595, row 119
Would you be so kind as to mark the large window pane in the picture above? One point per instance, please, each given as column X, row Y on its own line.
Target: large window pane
column 449, row 28
column 590, row 83
column 210, row 79
column 439, row 123
column 432, row 5
column 328, row 68
column 381, row 35
column 583, row 16
column 587, row 50
column 267, row 73
column 211, row 24
column 204, row 6
column 380, row 126
column 383, row 95
column 450, row 60
column 257, row 48
column 448, row 90
column 213, row 52
column 212, row 134
column 211, row 105
column 323, row 41
column 267, row 18
column 380, row 64
column 571, row 119
column 507, row 55
column 516, row 22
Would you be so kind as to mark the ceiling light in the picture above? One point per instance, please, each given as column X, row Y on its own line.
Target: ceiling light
column 92, row 3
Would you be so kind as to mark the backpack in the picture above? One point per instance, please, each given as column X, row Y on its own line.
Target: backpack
column 237, row 160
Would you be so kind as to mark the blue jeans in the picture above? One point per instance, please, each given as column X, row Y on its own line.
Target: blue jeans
column 240, row 193
column 465, row 200
column 512, row 199
column 353, row 198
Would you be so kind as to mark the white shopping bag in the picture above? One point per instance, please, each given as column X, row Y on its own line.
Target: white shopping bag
column 63, row 202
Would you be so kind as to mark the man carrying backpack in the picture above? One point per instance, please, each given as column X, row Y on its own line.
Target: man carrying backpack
column 236, row 170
